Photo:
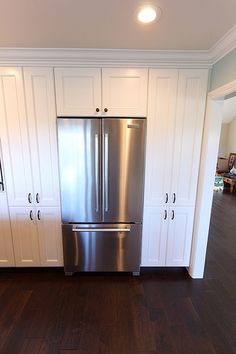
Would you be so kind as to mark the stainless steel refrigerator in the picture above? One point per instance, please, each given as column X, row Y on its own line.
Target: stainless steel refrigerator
column 101, row 163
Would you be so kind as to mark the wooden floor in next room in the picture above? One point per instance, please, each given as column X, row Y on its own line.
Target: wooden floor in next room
column 163, row 311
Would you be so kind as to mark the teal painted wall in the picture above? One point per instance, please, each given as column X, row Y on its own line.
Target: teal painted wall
column 224, row 70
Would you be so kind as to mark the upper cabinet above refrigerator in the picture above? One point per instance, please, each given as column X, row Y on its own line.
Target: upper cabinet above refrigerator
column 113, row 92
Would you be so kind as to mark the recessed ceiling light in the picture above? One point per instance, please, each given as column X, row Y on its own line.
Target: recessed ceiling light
column 148, row 13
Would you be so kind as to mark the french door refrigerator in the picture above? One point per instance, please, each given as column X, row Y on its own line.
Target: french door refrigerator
column 101, row 164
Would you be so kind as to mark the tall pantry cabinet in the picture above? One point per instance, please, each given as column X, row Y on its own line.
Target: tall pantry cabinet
column 176, row 107
column 28, row 138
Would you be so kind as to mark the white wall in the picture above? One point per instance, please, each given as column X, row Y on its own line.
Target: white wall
column 223, row 141
column 224, row 70
column 231, row 137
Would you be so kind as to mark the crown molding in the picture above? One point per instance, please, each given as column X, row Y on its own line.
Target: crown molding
column 119, row 57
column 223, row 46
column 103, row 57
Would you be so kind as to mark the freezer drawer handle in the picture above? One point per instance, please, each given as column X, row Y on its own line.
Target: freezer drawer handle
column 100, row 230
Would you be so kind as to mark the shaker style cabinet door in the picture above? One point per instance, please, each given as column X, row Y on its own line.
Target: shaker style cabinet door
column 41, row 113
column 190, row 110
column 179, row 236
column 25, row 236
column 124, row 92
column 50, row 238
column 160, row 135
column 6, row 246
column 155, row 226
column 14, row 138
column 78, row 91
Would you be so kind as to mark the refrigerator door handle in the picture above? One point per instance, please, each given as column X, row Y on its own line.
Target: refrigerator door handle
column 75, row 229
column 96, row 172
column 106, row 172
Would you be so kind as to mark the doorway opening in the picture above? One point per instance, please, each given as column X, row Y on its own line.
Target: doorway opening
column 209, row 154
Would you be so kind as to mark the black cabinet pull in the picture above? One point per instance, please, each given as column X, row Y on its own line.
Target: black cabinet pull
column 165, row 215
column 105, row 110
column 174, row 198
column 38, row 215
column 29, row 198
column 97, row 109
column 166, row 200
column 173, row 215
column 37, row 197
column 31, row 215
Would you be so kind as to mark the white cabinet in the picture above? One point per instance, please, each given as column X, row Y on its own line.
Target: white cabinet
column 180, row 224
column 6, row 246
column 155, row 227
column 14, row 137
column 78, row 91
column 124, row 92
column 25, row 237
column 29, row 147
column 29, row 144
column 107, row 92
column 174, row 129
column 41, row 112
column 36, row 236
column 49, row 234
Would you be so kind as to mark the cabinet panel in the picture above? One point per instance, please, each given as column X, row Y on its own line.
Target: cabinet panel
column 25, row 237
column 40, row 104
column 50, row 238
column 6, row 246
column 78, row 91
column 154, row 236
column 14, row 137
column 179, row 236
column 160, row 135
column 188, row 134
column 124, row 92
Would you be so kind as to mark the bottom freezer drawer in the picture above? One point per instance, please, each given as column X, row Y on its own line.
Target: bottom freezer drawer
column 102, row 248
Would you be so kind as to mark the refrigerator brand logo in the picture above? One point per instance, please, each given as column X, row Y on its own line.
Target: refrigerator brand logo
column 135, row 126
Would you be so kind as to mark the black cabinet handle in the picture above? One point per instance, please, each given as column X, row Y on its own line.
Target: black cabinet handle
column 31, row 215
column 37, row 197
column 97, row 109
column 105, row 110
column 173, row 215
column 165, row 215
column 174, row 198
column 38, row 215
column 166, row 201
column 29, row 198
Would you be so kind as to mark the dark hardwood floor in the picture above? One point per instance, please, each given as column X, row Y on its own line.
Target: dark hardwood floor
column 163, row 311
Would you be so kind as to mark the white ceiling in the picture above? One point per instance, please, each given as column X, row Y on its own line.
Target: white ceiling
column 185, row 24
column 229, row 110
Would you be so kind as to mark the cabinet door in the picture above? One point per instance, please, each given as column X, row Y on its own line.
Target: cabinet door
column 25, row 236
column 188, row 135
column 50, row 238
column 160, row 135
column 179, row 236
column 124, row 92
column 155, row 227
column 14, row 137
column 78, row 91
column 6, row 246
column 40, row 104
